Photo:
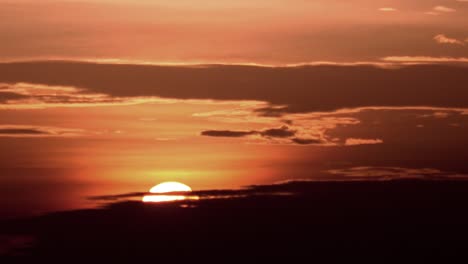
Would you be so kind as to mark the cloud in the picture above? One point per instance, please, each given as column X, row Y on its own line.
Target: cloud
column 282, row 132
column 387, row 9
column 37, row 131
column 391, row 173
column 442, row 39
column 307, row 141
column 443, row 9
column 227, row 133
column 270, row 134
column 28, row 95
column 362, row 141
column 22, row 131
column 359, row 126
column 302, row 186
column 300, row 89
column 425, row 59
column 8, row 96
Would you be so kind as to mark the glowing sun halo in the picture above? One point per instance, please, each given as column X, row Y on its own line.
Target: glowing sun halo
column 167, row 187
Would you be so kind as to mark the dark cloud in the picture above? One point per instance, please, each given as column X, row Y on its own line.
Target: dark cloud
column 306, row 141
column 298, row 89
column 6, row 96
column 36, row 131
column 22, row 131
column 282, row 132
column 227, row 133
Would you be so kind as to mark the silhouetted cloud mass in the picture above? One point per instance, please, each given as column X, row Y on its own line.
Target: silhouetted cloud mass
column 309, row 88
column 275, row 225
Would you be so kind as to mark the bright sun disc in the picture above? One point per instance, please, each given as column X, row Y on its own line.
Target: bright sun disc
column 167, row 187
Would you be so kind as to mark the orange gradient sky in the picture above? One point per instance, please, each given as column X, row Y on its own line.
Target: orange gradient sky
column 274, row 32
column 106, row 97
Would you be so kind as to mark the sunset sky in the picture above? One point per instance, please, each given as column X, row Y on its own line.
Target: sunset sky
column 113, row 96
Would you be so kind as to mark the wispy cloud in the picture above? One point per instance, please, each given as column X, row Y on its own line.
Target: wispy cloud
column 387, row 9
column 436, row 10
column 362, row 141
column 38, row 131
column 301, row 129
column 425, row 59
column 443, row 9
column 37, row 96
column 442, row 39
column 389, row 173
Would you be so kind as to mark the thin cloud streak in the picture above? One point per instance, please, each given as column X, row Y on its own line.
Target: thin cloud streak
column 387, row 9
column 391, row 173
column 443, row 9
column 362, row 141
column 425, row 59
column 442, row 39
column 38, row 131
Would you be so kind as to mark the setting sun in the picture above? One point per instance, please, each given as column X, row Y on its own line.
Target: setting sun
column 167, row 187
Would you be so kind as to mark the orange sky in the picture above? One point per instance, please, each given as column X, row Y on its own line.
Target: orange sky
column 105, row 97
column 275, row 32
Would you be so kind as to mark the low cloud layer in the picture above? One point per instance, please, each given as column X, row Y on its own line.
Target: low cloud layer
column 27, row 95
column 301, row 186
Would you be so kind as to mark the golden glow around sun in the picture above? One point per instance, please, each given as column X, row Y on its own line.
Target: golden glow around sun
column 167, row 187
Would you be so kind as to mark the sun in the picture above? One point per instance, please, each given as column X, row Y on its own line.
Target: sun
column 167, row 187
